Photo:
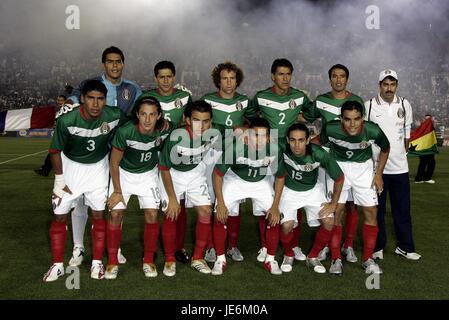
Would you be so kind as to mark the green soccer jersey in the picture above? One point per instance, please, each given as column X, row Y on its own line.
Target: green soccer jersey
column 172, row 106
column 229, row 113
column 249, row 164
column 344, row 147
column 301, row 173
column 328, row 108
column 140, row 151
column 281, row 111
column 183, row 153
column 86, row 141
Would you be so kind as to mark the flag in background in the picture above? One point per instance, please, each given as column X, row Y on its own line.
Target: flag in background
column 30, row 118
column 423, row 140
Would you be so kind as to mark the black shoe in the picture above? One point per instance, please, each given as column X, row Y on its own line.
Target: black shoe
column 182, row 256
column 41, row 172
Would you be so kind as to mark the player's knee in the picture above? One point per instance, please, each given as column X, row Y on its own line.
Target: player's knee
column 150, row 216
column 328, row 223
column 116, row 216
column 60, row 218
column 204, row 214
column 97, row 214
column 287, row 227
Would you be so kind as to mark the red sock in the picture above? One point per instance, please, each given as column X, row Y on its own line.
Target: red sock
column 98, row 238
column 322, row 238
column 335, row 241
column 181, row 227
column 272, row 239
column 58, row 235
column 262, row 227
column 233, row 230
column 150, row 236
column 210, row 240
column 286, row 240
column 220, row 237
column 202, row 232
column 113, row 239
column 369, row 234
column 352, row 219
column 168, row 238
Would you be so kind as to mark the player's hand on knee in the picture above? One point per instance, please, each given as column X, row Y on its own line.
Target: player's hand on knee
column 327, row 209
column 114, row 199
column 59, row 189
column 273, row 216
column 221, row 212
column 173, row 210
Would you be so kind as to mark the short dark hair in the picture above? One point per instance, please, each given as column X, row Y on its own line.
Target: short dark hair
column 164, row 65
column 112, row 49
column 259, row 122
column 227, row 65
column 300, row 127
column 282, row 62
column 352, row 105
column 62, row 96
column 150, row 101
column 199, row 105
column 338, row 66
column 94, row 85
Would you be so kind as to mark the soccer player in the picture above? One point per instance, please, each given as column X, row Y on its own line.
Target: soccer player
column 350, row 141
column 183, row 173
column 122, row 93
column 173, row 102
column 297, row 186
column 79, row 153
column 282, row 106
column 327, row 107
column 394, row 116
column 244, row 172
column 133, row 168
column 230, row 110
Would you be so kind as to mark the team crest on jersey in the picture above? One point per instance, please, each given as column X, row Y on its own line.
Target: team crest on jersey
column 401, row 113
column 126, row 94
column 266, row 162
column 329, row 194
column 105, row 129
column 178, row 103
column 239, row 106
column 308, row 167
column 292, row 104
column 158, row 141
column 364, row 145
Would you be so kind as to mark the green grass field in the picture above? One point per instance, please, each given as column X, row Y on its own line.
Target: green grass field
column 25, row 249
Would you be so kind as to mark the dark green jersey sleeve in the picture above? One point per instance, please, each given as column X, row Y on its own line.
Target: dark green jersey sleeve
column 328, row 163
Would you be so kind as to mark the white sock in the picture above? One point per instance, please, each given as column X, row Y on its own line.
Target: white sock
column 221, row 257
column 269, row 258
column 79, row 220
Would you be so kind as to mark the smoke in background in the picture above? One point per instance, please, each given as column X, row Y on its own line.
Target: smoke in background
column 197, row 34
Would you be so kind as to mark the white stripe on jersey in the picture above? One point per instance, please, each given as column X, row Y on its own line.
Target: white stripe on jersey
column 137, row 145
column 300, row 167
column 171, row 105
column 91, row 133
column 352, row 145
column 277, row 105
column 225, row 107
column 329, row 108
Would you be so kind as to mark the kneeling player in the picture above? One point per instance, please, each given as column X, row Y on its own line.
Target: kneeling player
column 133, row 168
column 350, row 144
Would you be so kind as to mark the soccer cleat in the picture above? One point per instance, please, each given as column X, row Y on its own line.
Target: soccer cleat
column 97, row 270
column 408, row 255
column 378, row 254
column 150, row 271
column 201, row 266
column 121, row 258
column 77, row 257
column 111, row 272
column 235, row 254
column 273, row 267
column 336, row 267
column 298, row 254
column 323, row 253
column 349, row 253
column 182, row 256
column 419, row 181
column 55, row 271
column 287, row 264
column 371, row 267
column 262, row 254
column 210, row 255
column 169, row 269
column 219, row 267
column 316, row 265
column 430, row 181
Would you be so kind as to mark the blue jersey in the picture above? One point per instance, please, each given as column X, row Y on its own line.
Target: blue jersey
column 122, row 95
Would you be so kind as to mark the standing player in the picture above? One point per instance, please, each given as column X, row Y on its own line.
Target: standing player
column 297, row 186
column 327, row 107
column 173, row 102
column 350, row 141
column 394, row 115
column 282, row 106
column 230, row 110
column 183, row 173
column 79, row 152
column 133, row 167
column 244, row 172
column 122, row 93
